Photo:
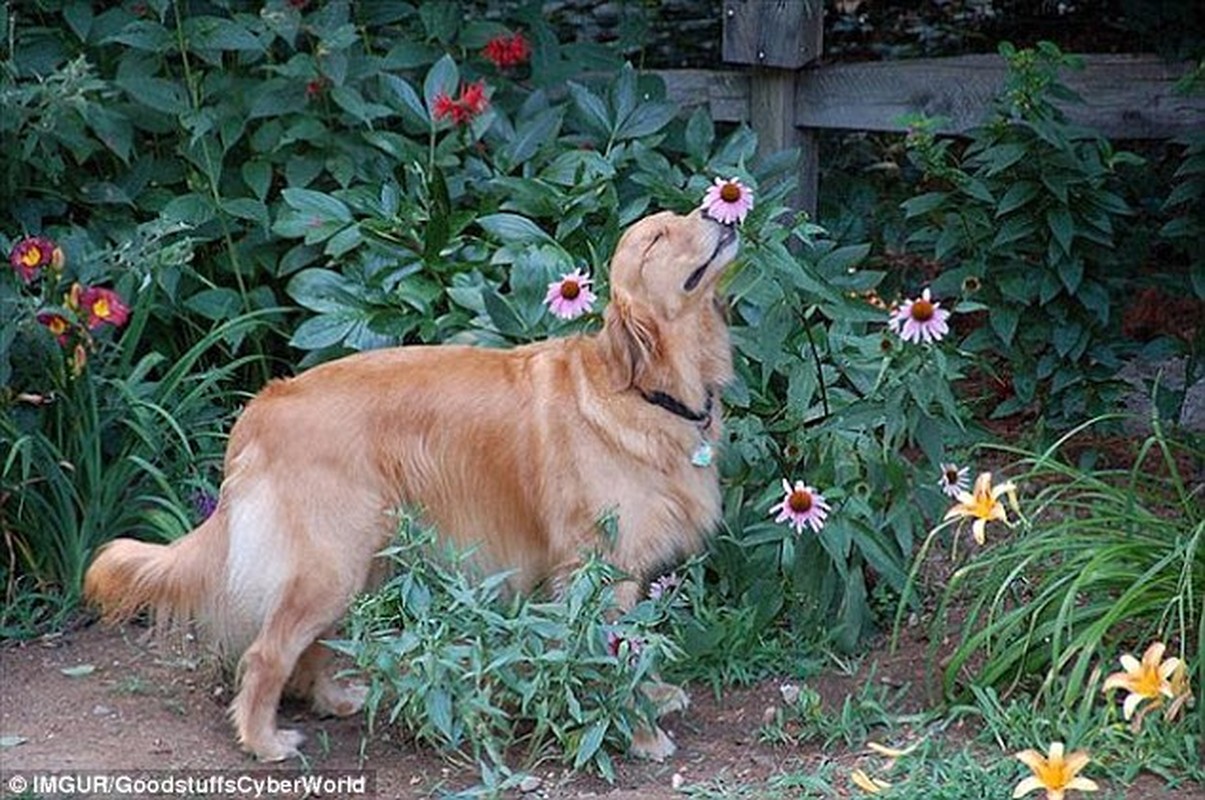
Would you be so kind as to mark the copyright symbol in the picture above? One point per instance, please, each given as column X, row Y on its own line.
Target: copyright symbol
column 17, row 784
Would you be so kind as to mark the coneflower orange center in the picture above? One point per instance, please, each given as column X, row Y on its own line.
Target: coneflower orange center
column 922, row 310
column 730, row 193
column 570, row 289
column 32, row 256
column 800, row 501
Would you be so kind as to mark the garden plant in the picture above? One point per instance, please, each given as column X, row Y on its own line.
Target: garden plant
column 200, row 197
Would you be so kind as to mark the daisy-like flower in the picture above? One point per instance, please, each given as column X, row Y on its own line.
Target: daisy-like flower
column 1056, row 773
column 58, row 325
column 570, row 296
column 801, row 505
column 983, row 504
column 1149, row 679
column 922, row 318
column 507, row 51
column 728, row 201
column 464, row 109
column 33, row 254
column 954, row 480
column 666, row 583
column 104, row 306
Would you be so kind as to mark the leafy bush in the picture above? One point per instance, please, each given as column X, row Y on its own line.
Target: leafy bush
column 379, row 165
column 475, row 671
column 97, row 439
column 1028, row 215
column 1106, row 560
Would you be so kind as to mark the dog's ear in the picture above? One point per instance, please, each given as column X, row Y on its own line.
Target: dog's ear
column 633, row 339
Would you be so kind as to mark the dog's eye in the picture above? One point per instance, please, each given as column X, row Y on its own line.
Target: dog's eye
column 653, row 243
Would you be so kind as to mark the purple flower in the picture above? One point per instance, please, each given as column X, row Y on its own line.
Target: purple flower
column 570, row 297
column 728, row 201
column 801, row 505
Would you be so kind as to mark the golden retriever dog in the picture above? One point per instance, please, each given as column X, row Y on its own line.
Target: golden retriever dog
column 519, row 452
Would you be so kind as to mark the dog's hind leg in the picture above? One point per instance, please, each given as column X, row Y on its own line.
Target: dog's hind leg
column 265, row 667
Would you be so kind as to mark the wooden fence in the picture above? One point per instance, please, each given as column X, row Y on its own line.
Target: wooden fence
column 787, row 98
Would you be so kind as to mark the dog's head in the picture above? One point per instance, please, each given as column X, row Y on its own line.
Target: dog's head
column 663, row 316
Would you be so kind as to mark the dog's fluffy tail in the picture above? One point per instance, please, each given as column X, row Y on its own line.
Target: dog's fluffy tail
column 177, row 582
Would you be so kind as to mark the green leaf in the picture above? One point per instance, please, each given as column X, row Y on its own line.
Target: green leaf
column 592, row 110
column 323, row 290
column 215, row 304
column 257, row 175
column 513, row 229
column 700, row 134
column 531, row 135
column 404, row 93
column 324, row 330
column 502, row 315
column 205, row 32
column 438, row 704
column 247, row 208
column 319, row 206
column 195, row 209
column 143, row 35
column 442, row 79
column 645, row 120
column 1004, row 321
column 1058, row 219
column 157, row 94
column 1066, row 335
column 923, row 204
column 1018, row 195
column 591, row 741
column 1071, row 273
column 78, row 16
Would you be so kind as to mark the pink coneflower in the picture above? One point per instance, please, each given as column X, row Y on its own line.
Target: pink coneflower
column 801, row 505
column 922, row 318
column 570, row 297
column 104, row 306
column 728, row 201
column 507, row 51
column 954, row 479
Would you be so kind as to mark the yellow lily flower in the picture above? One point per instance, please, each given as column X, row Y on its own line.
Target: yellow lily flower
column 867, row 783
column 983, row 504
column 1056, row 773
column 1149, row 679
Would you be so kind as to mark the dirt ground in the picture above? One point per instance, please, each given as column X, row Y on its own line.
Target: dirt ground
column 107, row 699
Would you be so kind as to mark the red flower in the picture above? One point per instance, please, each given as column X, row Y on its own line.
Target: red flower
column 33, row 254
column 315, row 88
column 58, row 325
column 471, row 103
column 103, row 306
column 473, row 99
column 507, row 51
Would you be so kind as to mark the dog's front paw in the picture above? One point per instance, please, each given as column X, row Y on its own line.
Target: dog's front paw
column 282, row 744
column 667, row 697
column 653, row 744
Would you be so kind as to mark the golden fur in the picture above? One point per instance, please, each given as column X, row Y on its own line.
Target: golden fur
column 520, row 451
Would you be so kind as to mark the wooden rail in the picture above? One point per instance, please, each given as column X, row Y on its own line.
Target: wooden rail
column 786, row 97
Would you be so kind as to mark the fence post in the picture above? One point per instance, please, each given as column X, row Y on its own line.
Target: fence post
column 778, row 38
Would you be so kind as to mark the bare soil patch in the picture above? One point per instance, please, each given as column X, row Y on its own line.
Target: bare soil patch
column 125, row 703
